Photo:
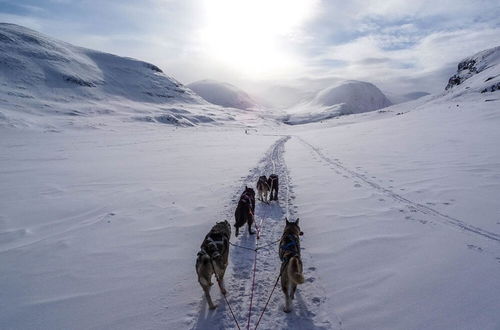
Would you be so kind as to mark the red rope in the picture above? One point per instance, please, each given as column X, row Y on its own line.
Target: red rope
column 253, row 288
column 267, row 302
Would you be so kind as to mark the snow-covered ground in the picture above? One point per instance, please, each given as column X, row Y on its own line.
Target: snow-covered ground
column 101, row 215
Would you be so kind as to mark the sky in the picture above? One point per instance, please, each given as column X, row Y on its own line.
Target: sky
column 401, row 46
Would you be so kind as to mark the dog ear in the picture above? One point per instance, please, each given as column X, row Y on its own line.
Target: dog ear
column 286, row 219
column 297, row 221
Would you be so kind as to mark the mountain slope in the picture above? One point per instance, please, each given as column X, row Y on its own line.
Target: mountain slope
column 477, row 73
column 346, row 97
column 222, row 94
column 44, row 77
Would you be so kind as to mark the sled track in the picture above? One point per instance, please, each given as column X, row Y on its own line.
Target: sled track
column 309, row 304
column 447, row 219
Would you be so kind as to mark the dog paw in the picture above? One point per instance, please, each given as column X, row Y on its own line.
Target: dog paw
column 223, row 291
column 212, row 307
column 287, row 310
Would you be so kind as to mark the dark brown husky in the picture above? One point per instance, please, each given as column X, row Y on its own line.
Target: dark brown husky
column 245, row 211
column 212, row 258
column 291, row 264
column 273, row 184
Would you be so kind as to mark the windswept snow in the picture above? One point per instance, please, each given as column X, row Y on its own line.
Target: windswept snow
column 223, row 94
column 346, row 97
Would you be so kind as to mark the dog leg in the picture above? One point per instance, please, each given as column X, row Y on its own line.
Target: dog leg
column 221, row 285
column 237, row 231
column 288, row 303
column 294, row 288
column 211, row 305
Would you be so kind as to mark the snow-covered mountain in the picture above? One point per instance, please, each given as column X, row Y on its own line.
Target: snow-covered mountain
column 223, row 94
column 43, row 79
column 477, row 73
column 345, row 97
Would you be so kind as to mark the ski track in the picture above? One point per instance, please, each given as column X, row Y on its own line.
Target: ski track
column 413, row 206
column 309, row 305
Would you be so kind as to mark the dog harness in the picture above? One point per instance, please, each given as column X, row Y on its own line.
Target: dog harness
column 290, row 246
column 214, row 245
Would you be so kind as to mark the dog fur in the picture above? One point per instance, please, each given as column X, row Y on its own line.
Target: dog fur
column 245, row 211
column 291, row 263
column 213, row 259
column 263, row 188
column 273, row 183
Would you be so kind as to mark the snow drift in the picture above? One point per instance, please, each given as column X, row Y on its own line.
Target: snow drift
column 222, row 94
column 343, row 98
column 42, row 77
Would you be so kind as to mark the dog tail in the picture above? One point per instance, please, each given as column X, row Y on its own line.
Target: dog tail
column 296, row 270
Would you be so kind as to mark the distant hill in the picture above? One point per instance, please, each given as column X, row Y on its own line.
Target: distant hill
column 223, row 94
column 343, row 98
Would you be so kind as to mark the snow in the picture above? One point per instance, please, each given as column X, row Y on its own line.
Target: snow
column 50, row 84
column 101, row 214
column 346, row 97
column 223, row 94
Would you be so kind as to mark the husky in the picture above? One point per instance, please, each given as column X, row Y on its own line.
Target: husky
column 273, row 184
column 212, row 259
column 262, row 188
column 291, row 264
column 245, row 211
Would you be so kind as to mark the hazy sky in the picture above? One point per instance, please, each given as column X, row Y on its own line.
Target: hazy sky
column 400, row 45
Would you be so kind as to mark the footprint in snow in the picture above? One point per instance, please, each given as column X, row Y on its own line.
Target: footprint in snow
column 475, row 247
column 311, row 268
column 381, row 200
column 316, row 300
column 310, row 280
column 357, row 185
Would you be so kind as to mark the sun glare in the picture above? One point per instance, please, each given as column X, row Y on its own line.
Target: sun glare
column 252, row 36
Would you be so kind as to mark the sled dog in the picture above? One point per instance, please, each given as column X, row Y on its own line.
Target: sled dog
column 273, row 184
column 262, row 188
column 212, row 259
column 245, row 211
column 291, row 264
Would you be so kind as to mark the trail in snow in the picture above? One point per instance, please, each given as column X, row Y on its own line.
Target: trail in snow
column 309, row 308
column 413, row 206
